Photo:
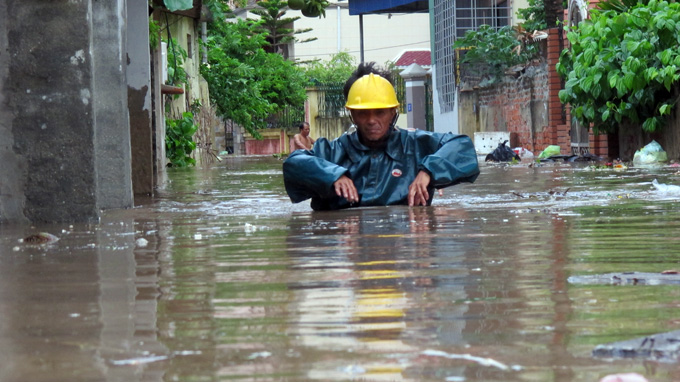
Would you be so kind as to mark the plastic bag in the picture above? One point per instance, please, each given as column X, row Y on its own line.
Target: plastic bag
column 502, row 153
column 650, row 155
column 523, row 153
column 549, row 151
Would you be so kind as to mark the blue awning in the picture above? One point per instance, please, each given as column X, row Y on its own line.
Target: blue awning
column 362, row 7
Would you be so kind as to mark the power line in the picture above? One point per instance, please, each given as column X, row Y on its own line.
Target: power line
column 365, row 50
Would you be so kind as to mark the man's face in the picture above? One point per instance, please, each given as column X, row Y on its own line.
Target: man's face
column 305, row 131
column 373, row 124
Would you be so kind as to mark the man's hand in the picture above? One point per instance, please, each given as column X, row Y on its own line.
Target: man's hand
column 345, row 187
column 417, row 191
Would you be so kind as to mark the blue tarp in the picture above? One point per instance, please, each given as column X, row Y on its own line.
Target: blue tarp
column 358, row 7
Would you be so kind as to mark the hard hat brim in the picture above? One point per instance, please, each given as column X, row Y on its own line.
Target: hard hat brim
column 365, row 106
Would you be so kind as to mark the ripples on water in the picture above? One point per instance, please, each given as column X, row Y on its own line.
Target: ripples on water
column 237, row 283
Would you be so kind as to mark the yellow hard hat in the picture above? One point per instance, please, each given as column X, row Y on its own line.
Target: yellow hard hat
column 371, row 92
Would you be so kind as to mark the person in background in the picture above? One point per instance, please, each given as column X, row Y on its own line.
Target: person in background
column 302, row 140
column 378, row 164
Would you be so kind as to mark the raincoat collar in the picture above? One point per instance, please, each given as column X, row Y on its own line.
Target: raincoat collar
column 357, row 149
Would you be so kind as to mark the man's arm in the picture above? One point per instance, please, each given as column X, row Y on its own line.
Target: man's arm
column 454, row 159
column 311, row 173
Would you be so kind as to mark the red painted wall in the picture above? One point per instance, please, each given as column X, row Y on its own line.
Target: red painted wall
column 272, row 142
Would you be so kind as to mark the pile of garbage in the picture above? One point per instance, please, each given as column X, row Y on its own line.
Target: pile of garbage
column 502, row 153
column 652, row 155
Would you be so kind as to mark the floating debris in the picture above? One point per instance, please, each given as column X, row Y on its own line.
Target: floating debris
column 625, row 377
column 663, row 347
column 39, row 238
column 262, row 354
column 139, row 360
column 628, row 278
column 480, row 360
column 142, row 242
column 551, row 193
column 666, row 188
column 558, row 193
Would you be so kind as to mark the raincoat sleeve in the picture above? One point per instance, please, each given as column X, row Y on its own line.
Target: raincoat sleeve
column 311, row 173
column 454, row 159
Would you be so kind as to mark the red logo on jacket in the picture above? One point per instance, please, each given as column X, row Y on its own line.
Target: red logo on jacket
column 396, row 173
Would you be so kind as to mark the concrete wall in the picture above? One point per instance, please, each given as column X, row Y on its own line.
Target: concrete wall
column 180, row 27
column 139, row 97
column 64, row 121
column 112, row 123
column 13, row 170
column 187, row 32
column 444, row 122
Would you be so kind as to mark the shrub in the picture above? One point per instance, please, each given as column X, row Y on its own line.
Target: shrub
column 622, row 67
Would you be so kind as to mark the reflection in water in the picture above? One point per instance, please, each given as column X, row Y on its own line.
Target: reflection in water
column 232, row 282
column 377, row 268
column 80, row 308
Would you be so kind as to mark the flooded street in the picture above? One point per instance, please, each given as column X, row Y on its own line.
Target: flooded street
column 222, row 278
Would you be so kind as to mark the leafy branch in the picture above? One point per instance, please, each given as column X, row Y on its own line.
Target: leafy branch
column 623, row 66
column 490, row 52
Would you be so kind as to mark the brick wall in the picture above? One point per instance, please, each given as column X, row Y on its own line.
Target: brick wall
column 529, row 107
column 515, row 106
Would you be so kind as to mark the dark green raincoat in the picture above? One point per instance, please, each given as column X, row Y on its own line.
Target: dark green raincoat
column 381, row 177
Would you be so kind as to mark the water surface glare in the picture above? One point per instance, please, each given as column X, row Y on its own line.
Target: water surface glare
column 221, row 278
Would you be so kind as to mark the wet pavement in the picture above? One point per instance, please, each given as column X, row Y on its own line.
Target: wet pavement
column 222, row 278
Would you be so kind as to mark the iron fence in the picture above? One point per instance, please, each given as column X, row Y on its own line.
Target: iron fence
column 286, row 118
column 331, row 100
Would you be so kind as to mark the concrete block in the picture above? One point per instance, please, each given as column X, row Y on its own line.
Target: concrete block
column 486, row 142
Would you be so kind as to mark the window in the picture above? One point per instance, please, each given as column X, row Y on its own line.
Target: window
column 190, row 52
column 451, row 20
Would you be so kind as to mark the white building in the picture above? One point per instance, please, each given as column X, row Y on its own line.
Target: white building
column 385, row 35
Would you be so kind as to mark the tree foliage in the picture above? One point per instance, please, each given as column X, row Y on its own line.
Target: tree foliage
column 246, row 83
column 533, row 15
column 623, row 66
column 490, row 52
column 337, row 69
column 277, row 27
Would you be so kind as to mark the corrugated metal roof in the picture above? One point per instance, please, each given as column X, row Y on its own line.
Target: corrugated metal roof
column 359, row 7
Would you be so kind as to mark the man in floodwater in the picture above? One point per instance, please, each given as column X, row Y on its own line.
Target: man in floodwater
column 302, row 140
column 378, row 164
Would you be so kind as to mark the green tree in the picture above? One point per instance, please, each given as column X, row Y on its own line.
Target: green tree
column 246, row 83
column 337, row 69
column 309, row 8
column 490, row 52
column 534, row 16
column 623, row 66
column 278, row 27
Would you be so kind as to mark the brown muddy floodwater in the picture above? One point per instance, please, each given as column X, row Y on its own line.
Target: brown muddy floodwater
column 222, row 278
